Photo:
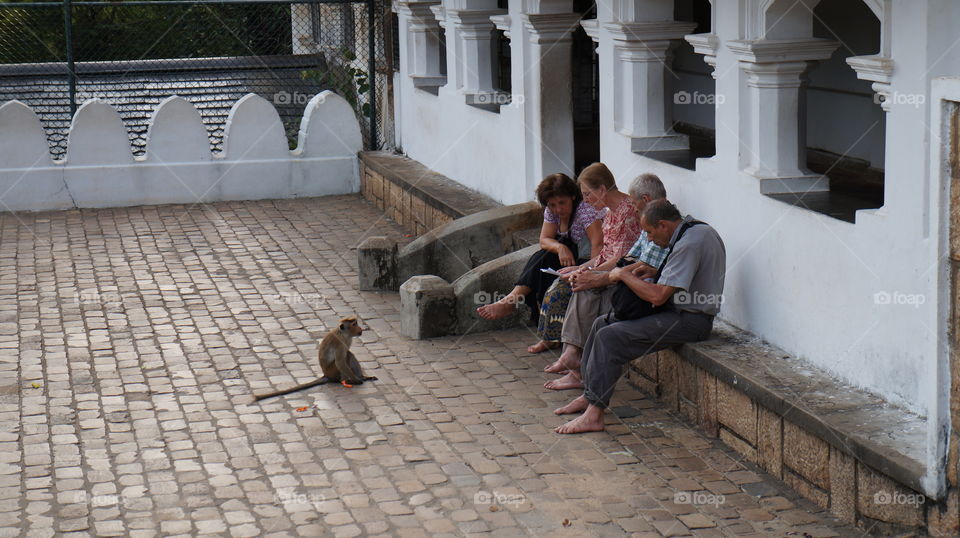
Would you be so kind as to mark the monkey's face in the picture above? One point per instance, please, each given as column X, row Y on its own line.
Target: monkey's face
column 352, row 326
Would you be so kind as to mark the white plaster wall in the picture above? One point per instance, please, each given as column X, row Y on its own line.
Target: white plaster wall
column 483, row 150
column 490, row 152
column 807, row 282
column 100, row 171
column 801, row 280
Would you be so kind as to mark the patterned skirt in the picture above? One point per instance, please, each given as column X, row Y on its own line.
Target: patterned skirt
column 553, row 309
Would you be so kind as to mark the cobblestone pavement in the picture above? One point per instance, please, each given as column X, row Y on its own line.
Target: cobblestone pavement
column 131, row 340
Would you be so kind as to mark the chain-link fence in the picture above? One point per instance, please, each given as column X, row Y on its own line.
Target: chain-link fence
column 56, row 55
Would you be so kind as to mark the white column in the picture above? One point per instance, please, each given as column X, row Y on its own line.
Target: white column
column 776, row 141
column 474, row 31
column 643, row 85
column 423, row 42
column 548, row 100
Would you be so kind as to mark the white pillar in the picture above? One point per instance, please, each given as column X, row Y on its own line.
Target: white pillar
column 776, row 138
column 423, row 42
column 643, row 84
column 548, row 101
column 474, row 31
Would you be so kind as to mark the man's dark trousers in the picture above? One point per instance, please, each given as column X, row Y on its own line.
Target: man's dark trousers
column 612, row 344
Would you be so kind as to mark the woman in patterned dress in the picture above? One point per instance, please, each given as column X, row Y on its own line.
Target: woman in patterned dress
column 621, row 228
column 570, row 235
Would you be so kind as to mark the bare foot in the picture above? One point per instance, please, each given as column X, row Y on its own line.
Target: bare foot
column 576, row 406
column 497, row 310
column 569, row 381
column 590, row 421
column 542, row 346
column 569, row 360
column 556, row 367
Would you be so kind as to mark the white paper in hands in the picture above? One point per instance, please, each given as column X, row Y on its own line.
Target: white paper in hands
column 549, row 271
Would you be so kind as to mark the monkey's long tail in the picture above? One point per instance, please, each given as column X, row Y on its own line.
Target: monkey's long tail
column 314, row 383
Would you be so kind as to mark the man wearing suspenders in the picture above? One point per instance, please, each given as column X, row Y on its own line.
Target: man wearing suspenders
column 690, row 284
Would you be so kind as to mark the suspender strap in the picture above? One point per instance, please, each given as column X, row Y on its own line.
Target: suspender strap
column 683, row 229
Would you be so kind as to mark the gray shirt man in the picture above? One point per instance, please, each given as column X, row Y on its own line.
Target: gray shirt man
column 696, row 267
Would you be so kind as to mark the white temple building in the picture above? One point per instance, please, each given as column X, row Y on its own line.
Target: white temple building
column 815, row 136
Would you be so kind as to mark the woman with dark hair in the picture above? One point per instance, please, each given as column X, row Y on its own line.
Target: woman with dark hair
column 571, row 233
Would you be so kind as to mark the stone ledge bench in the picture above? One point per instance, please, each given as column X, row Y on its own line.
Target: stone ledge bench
column 418, row 198
column 844, row 448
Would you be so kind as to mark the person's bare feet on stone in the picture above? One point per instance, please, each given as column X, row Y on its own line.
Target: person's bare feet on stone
column 569, row 381
column 590, row 421
column 569, row 360
column 577, row 405
column 542, row 346
column 500, row 309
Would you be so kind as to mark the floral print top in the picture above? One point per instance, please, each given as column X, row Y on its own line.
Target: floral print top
column 621, row 228
column 585, row 216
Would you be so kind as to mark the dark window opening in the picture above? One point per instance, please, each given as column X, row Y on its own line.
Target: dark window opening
column 502, row 78
column 333, row 28
column 586, row 91
column 442, row 39
column 698, row 11
column 845, row 126
column 691, row 91
column 394, row 42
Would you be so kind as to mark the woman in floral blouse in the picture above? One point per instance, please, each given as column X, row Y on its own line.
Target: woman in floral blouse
column 621, row 228
column 570, row 235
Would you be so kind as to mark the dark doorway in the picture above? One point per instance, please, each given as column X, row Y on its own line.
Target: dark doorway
column 586, row 91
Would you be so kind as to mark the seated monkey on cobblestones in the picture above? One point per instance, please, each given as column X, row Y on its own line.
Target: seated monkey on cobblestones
column 337, row 362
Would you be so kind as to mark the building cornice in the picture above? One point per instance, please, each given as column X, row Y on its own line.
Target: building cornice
column 551, row 27
column 765, row 51
column 649, row 31
column 592, row 28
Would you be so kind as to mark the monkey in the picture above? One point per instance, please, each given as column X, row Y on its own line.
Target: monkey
column 337, row 362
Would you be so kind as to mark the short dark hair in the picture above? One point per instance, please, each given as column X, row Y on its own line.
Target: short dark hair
column 558, row 185
column 658, row 210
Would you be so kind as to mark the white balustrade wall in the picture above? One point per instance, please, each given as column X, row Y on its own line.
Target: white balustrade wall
column 100, row 170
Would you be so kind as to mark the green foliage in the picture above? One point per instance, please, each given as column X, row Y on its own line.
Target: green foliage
column 352, row 83
column 105, row 33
